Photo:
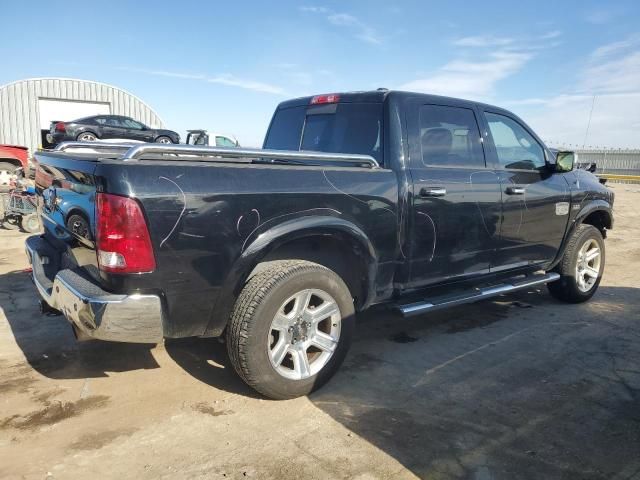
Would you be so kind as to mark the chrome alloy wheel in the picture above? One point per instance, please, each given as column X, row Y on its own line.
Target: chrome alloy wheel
column 87, row 137
column 165, row 140
column 304, row 334
column 588, row 265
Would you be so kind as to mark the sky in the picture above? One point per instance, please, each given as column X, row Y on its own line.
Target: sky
column 224, row 66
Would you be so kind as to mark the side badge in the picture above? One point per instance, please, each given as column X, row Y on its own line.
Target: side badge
column 562, row 208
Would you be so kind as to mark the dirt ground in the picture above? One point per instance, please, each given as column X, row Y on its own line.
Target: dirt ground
column 519, row 387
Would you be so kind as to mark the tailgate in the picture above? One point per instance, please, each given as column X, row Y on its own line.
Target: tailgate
column 66, row 187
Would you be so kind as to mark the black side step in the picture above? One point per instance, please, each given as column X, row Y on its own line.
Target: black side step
column 438, row 303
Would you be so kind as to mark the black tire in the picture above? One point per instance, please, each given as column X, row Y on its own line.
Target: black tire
column 30, row 223
column 249, row 328
column 163, row 139
column 10, row 224
column 79, row 225
column 83, row 137
column 567, row 288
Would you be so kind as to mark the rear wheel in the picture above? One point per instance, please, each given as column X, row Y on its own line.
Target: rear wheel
column 78, row 225
column 581, row 266
column 30, row 223
column 163, row 139
column 87, row 137
column 291, row 328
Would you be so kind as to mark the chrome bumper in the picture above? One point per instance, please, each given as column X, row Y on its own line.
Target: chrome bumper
column 94, row 312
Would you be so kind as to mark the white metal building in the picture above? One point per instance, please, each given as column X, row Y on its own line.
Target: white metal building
column 27, row 107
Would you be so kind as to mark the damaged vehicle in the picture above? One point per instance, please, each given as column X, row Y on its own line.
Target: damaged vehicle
column 415, row 201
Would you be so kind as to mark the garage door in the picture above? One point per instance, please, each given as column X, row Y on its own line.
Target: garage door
column 67, row 110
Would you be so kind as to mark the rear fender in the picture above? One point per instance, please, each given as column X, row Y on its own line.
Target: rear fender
column 271, row 239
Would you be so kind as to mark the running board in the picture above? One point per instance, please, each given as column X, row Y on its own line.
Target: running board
column 438, row 303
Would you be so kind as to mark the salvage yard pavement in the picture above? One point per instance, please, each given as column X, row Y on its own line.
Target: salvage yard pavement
column 518, row 387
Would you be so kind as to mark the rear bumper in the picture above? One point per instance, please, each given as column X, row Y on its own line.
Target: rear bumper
column 96, row 313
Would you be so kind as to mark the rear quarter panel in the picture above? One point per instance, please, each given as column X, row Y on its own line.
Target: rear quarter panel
column 203, row 217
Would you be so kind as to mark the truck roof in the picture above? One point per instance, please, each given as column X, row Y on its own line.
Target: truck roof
column 378, row 96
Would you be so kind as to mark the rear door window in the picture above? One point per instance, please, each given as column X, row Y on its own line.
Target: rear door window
column 354, row 128
column 449, row 136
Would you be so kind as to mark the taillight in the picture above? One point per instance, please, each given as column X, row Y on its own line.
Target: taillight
column 60, row 127
column 329, row 98
column 122, row 238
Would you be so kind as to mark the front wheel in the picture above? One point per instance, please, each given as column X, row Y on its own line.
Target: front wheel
column 291, row 328
column 163, row 139
column 581, row 266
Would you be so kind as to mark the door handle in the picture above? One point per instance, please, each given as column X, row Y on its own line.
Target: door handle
column 433, row 192
column 515, row 190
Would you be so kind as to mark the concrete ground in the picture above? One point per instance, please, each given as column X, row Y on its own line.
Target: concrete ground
column 519, row 387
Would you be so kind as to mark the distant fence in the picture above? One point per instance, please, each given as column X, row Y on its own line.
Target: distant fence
column 618, row 162
column 610, row 161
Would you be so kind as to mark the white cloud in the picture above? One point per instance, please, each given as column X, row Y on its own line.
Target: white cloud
column 222, row 79
column 312, row 9
column 233, row 81
column 360, row 30
column 613, row 76
column 616, row 47
column 550, row 35
column 471, row 79
column 518, row 43
column 563, row 120
column 483, row 41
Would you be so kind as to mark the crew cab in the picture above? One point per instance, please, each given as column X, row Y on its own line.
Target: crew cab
column 416, row 201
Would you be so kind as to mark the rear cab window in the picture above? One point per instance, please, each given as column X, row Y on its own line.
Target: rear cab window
column 353, row 128
column 450, row 137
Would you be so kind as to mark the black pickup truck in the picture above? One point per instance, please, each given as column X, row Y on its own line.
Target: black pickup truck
column 416, row 201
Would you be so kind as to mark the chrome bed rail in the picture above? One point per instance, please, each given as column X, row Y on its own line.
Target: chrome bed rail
column 135, row 152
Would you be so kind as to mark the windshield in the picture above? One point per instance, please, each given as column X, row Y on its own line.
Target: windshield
column 334, row 128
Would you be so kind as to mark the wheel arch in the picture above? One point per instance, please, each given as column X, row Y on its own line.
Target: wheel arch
column 75, row 210
column 597, row 213
column 333, row 242
column 12, row 160
column 600, row 218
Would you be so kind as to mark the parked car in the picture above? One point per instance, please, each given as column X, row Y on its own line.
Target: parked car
column 203, row 137
column 416, row 201
column 12, row 157
column 108, row 127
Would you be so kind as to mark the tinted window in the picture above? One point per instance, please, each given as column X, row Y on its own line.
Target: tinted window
column 285, row 130
column 336, row 128
column 100, row 120
column 113, row 122
column 130, row 123
column 449, row 136
column 515, row 147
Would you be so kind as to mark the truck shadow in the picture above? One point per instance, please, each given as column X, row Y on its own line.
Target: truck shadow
column 48, row 344
column 518, row 387
column 206, row 360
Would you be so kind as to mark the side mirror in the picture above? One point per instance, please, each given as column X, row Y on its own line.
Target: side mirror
column 565, row 161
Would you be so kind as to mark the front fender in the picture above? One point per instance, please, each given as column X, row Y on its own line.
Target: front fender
column 261, row 244
column 578, row 218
